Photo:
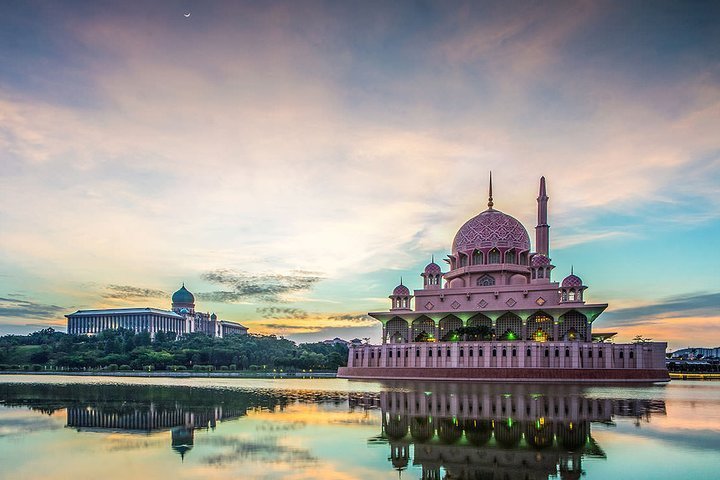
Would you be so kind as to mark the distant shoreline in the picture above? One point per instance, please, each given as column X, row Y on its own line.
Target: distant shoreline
column 178, row 374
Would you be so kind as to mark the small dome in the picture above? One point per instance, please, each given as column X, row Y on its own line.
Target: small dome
column 213, row 316
column 401, row 290
column 433, row 268
column 183, row 296
column 571, row 281
column 539, row 260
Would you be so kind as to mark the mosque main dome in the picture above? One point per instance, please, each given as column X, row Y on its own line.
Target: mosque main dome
column 491, row 228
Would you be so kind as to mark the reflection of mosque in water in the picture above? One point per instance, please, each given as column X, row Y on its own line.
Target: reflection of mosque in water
column 181, row 421
column 491, row 432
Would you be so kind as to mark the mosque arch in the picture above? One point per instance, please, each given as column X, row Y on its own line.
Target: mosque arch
column 518, row 279
column 423, row 329
column 485, row 280
column 573, row 326
column 508, row 327
column 449, row 327
column 478, row 432
column 477, row 258
column 397, row 330
column 421, row 429
column 510, row 257
column 463, row 259
column 478, row 327
column 397, row 427
column 540, row 327
column 494, row 256
column 539, row 434
column 449, row 431
column 507, row 433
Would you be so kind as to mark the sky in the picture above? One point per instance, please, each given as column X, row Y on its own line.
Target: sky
column 290, row 161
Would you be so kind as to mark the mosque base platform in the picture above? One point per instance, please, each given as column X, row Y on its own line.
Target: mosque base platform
column 514, row 375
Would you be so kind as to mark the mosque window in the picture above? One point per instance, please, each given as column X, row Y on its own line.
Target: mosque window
column 504, row 353
column 485, row 281
column 390, row 354
column 494, row 256
column 514, row 352
column 567, row 353
column 547, row 353
column 494, row 353
column 417, row 352
column 462, row 352
column 463, row 261
column 447, row 353
column 564, row 296
column 529, row 352
column 589, row 353
column 599, row 353
column 481, row 352
column 510, row 257
column 632, row 354
column 523, row 259
column 571, row 296
column 540, row 272
column 557, row 353
column 429, row 352
column 477, row 257
column 471, row 352
column 622, row 355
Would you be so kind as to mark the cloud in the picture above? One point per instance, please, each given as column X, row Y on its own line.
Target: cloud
column 126, row 292
column 281, row 312
column 270, row 287
column 697, row 305
column 353, row 318
column 13, row 307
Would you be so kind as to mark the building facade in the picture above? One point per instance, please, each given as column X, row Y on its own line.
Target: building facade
column 181, row 319
column 496, row 314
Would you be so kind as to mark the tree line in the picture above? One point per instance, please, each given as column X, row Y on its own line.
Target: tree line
column 123, row 349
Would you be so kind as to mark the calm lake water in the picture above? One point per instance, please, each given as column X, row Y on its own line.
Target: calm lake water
column 111, row 428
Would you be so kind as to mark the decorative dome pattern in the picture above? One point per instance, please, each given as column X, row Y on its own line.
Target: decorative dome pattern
column 433, row 269
column 491, row 228
column 572, row 281
column 401, row 290
column 183, row 296
column 539, row 260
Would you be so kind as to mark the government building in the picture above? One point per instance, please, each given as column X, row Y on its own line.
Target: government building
column 181, row 319
column 497, row 314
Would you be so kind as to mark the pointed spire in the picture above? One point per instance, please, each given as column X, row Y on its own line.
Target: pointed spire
column 432, row 258
column 490, row 200
column 543, row 192
column 401, row 280
column 571, row 270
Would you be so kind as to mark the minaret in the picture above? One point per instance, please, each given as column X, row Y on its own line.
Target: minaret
column 542, row 231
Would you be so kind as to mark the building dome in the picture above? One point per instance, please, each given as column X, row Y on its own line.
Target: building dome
column 571, row 281
column 491, row 228
column 401, row 290
column 183, row 296
column 539, row 260
column 213, row 316
column 433, row 268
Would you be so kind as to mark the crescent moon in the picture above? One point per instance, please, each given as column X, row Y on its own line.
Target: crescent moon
column 187, row 15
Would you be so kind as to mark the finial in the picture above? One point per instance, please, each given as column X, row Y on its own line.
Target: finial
column 490, row 200
column 183, row 284
column 401, row 280
column 571, row 270
column 432, row 258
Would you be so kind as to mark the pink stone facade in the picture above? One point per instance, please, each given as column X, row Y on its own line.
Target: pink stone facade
column 496, row 307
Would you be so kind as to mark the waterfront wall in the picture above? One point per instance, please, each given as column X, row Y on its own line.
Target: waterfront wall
column 520, row 361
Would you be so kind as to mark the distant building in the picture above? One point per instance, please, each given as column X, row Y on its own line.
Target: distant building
column 180, row 320
column 697, row 352
column 336, row 341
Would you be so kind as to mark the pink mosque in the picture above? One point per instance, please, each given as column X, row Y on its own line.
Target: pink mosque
column 497, row 315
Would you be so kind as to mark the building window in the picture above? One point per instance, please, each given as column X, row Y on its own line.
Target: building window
column 485, row 281
column 462, row 353
column 494, row 353
column 557, row 353
column 599, row 353
column 390, row 354
column 567, row 353
column 622, row 355
column 547, row 353
column 504, row 353
column 632, row 354
column 477, row 257
column 429, row 352
column 494, row 256
column 481, row 352
column 514, row 353
column 510, row 257
column 589, row 353
column 417, row 352
column 529, row 352
column 463, row 260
